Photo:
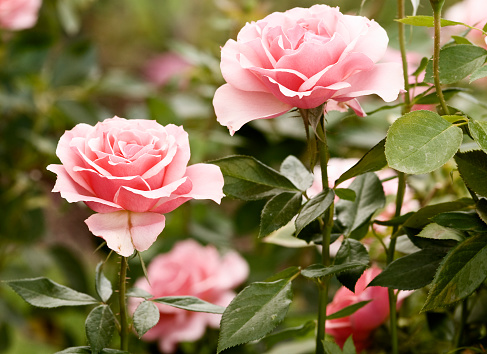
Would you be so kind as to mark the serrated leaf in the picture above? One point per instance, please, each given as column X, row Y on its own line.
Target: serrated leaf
column 472, row 166
column 373, row 160
column 296, row 172
column 319, row 270
column 254, row 312
column 249, row 179
column 137, row 292
column 410, row 272
column 345, row 193
column 43, row 292
column 460, row 220
column 426, row 21
column 289, row 333
column 478, row 131
column 99, row 326
column 190, row 303
column 314, row 208
column 146, row 316
column 351, row 251
column 421, row 141
column 369, row 198
column 462, row 271
column 438, row 232
column 457, row 62
column 279, row 211
column 479, row 73
column 349, row 346
column 331, row 348
column 102, row 284
column 347, row 311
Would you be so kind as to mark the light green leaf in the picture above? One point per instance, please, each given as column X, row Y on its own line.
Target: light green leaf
column 351, row 251
column 102, row 284
column 319, row 270
column 190, row 303
column 438, row 232
column 426, row 21
column 472, row 166
column 43, row 292
column 463, row 270
column 478, row 130
column 460, row 220
column 349, row 346
column 254, row 312
column 420, row 142
column 331, row 348
column 146, row 316
column 99, row 326
column 347, row 311
column 314, row 208
column 297, row 173
column 137, row 292
column 345, row 193
column 279, row 211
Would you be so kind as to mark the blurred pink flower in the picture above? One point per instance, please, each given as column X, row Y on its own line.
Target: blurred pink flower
column 472, row 13
column 363, row 322
column 302, row 58
column 161, row 69
column 131, row 172
column 19, row 14
column 190, row 269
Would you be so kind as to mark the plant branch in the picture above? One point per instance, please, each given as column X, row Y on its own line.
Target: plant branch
column 123, row 305
column 437, row 5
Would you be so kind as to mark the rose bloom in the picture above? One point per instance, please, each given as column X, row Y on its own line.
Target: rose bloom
column 190, row 269
column 364, row 321
column 471, row 12
column 303, row 58
column 19, row 14
column 131, row 172
column 163, row 68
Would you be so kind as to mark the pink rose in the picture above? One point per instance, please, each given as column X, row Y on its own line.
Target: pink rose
column 18, row 14
column 190, row 269
column 161, row 69
column 131, row 172
column 361, row 323
column 471, row 12
column 303, row 58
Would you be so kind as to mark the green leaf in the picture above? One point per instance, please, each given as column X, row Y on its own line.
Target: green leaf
column 373, row 160
column 319, row 270
column 289, row 333
column 426, row 21
column 347, row 311
column 370, row 198
column 463, row 270
column 349, row 346
column 297, row 173
column 249, row 179
column 481, row 209
column 279, row 211
column 438, row 232
column 460, row 220
column 331, row 348
column 146, row 316
column 472, row 166
column 351, row 251
column 432, row 98
column 254, row 312
column 461, row 40
column 398, row 221
column 421, row 141
column 457, row 62
column 314, row 208
column 102, row 284
column 43, row 292
column 137, row 292
column 287, row 273
column 478, row 131
column 479, row 73
column 410, row 272
column 99, row 326
column 345, row 193
column 190, row 303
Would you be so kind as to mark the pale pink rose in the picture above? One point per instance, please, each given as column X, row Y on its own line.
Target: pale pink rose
column 471, row 12
column 364, row 321
column 190, row 269
column 19, row 14
column 161, row 69
column 303, row 58
column 131, row 172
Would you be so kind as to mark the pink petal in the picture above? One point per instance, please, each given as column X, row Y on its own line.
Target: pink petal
column 234, row 107
column 125, row 231
column 207, row 182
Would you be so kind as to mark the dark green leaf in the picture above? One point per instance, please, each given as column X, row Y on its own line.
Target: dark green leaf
column 137, row 292
column 472, row 166
column 347, row 311
column 297, row 173
column 481, row 209
column 43, row 292
column 426, row 21
column 462, row 271
column 395, row 221
column 457, row 62
column 146, row 316
column 289, row 333
column 345, row 193
column 99, row 326
column 421, row 67
column 439, row 232
column 370, row 198
column 351, row 251
column 102, row 284
column 319, row 270
column 190, row 303
column 373, row 160
column 460, row 220
column 432, row 98
column 410, row 272
column 479, row 73
column 254, row 312
column 314, row 208
column 421, row 141
column 422, row 217
column 478, row 131
column 279, row 211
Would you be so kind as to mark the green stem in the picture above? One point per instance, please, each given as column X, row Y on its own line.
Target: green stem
column 124, row 332
column 326, row 232
column 437, row 5
column 402, row 47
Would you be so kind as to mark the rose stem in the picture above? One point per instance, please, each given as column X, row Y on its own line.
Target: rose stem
column 437, row 5
column 326, row 232
column 123, row 306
